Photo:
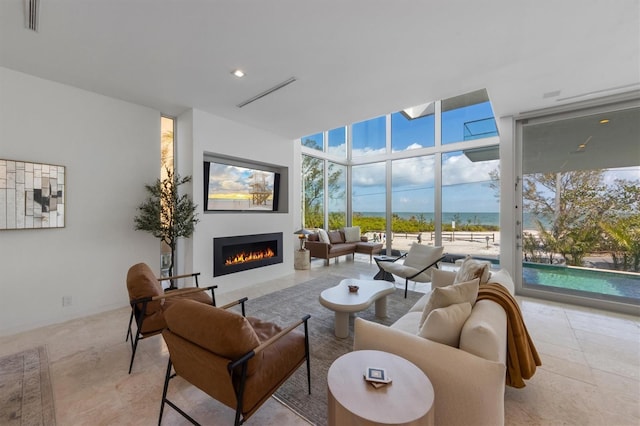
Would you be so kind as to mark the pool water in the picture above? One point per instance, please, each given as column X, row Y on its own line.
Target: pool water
column 619, row 284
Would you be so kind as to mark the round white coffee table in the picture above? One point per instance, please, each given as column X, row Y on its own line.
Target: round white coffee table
column 407, row 400
column 340, row 300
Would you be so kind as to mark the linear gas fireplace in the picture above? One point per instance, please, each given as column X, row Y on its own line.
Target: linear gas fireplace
column 243, row 252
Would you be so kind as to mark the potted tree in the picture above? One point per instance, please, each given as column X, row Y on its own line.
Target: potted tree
column 166, row 214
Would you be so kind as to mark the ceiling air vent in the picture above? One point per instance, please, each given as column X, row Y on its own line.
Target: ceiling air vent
column 267, row 92
column 31, row 14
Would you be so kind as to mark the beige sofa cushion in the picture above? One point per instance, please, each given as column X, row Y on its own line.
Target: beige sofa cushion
column 469, row 390
column 351, row 234
column 442, row 297
column 407, row 322
column 485, row 332
column 442, row 278
column 420, row 304
column 443, row 325
column 503, row 278
column 324, row 237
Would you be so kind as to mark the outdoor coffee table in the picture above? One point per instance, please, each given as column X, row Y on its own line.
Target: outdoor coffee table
column 340, row 300
column 407, row 400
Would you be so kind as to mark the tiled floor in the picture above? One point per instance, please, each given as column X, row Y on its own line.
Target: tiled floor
column 590, row 372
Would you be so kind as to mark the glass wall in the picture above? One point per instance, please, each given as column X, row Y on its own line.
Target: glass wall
column 581, row 205
column 369, row 199
column 314, row 141
column 337, row 141
column 467, row 117
column 411, row 206
column 471, row 203
column 167, row 149
column 337, row 186
column 412, row 133
column 412, row 201
column 166, row 145
column 369, row 137
column 312, row 192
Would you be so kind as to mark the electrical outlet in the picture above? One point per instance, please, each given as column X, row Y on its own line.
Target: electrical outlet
column 66, row 300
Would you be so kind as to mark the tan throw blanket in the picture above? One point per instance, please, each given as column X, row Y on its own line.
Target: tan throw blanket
column 522, row 357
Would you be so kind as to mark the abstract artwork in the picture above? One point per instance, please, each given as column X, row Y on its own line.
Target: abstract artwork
column 31, row 195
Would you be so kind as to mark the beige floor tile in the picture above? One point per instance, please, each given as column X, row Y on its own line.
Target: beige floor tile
column 590, row 372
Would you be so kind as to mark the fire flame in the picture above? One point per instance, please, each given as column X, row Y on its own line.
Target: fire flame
column 249, row 257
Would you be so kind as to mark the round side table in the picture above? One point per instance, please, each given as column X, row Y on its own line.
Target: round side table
column 407, row 400
column 302, row 259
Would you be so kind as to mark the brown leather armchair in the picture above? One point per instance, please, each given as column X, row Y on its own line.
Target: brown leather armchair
column 237, row 360
column 149, row 301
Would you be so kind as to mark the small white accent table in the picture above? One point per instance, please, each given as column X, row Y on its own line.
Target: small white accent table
column 407, row 400
column 340, row 300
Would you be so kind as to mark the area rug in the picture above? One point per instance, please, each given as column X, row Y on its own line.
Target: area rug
column 288, row 305
column 26, row 397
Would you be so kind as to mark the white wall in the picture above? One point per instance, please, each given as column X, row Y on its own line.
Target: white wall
column 110, row 149
column 200, row 132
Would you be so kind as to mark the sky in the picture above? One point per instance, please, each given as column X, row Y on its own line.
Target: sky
column 233, row 182
column 466, row 185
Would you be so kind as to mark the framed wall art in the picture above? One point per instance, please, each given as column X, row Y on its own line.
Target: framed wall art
column 32, row 195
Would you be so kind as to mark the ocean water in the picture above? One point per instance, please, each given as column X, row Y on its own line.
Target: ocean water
column 460, row 218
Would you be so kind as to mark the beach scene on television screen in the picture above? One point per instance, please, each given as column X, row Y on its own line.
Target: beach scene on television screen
column 239, row 188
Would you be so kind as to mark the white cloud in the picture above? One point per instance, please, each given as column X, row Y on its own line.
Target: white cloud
column 457, row 169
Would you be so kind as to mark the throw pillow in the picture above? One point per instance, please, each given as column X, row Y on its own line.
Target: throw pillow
column 472, row 268
column 442, row 297
column 443, row 325
column 324, row 237
column 335, row 237
column 352, row 234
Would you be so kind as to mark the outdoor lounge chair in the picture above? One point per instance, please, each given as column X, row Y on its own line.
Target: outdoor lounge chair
column 417, row 265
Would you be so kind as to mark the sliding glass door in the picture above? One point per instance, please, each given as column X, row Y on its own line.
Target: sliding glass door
column 581, row 204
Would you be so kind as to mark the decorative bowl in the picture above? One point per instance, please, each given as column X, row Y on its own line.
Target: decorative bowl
column 353, row 288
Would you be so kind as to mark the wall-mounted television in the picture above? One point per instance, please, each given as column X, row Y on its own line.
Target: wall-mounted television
column 233, row 187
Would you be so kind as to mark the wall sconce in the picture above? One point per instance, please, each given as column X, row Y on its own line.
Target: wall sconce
column 302, row 235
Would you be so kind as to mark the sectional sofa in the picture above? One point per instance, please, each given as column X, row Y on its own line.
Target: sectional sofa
column 468, row 376
column 346, row 241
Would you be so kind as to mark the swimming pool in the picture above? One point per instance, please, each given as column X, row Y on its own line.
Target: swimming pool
column 614, row 283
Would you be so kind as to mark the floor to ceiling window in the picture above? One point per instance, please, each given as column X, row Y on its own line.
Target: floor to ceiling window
column 413, row 132
column 471, row 201
column 369, row 137
column 368, row 197
column 467, row 117
column 393, row 165
column 313, row 191
column 337, row 195
column 581, row 204
column 337, row 141
column 167, row 149
column 412, row 201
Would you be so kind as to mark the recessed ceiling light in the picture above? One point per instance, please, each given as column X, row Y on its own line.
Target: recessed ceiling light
column 604, row 121
column 238, row 73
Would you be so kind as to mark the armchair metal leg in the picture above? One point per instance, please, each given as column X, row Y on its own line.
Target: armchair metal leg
column 129, row 328
column 306, row 351
column 164, row 391
column 406, row 285
column 134, row 346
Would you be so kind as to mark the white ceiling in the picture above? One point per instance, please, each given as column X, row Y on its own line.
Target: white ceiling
column 353, row 59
